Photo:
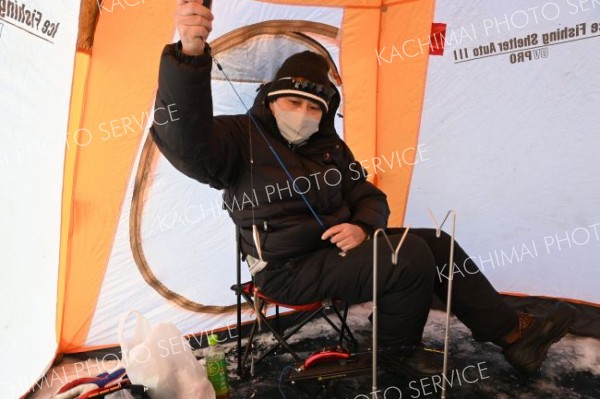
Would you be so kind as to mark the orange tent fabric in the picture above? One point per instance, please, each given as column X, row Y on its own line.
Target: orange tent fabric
column 121, row 76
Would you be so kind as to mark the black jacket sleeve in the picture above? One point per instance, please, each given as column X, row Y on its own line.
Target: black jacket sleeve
column 202, row 147
column 368, row 204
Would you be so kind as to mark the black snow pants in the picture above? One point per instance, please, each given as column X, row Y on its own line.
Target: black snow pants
column 405, row 290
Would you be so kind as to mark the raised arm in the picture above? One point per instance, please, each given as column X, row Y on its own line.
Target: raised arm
column 202, row 147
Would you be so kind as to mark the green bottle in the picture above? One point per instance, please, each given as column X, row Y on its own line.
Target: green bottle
column 216, row 367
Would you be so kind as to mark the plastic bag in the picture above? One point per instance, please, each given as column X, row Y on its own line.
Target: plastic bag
column 159, row 358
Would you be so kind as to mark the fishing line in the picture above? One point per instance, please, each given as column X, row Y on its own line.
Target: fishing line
column 263, row 135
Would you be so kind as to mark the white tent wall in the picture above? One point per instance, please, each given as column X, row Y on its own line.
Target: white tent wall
column 188, row 240
column 513, row 147
column 36, row 67
column 232, row 14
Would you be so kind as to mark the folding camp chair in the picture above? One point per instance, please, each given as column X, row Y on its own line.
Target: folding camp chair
column 309, row 312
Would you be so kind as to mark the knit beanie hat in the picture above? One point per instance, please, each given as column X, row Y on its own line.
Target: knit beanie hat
column 304, row 75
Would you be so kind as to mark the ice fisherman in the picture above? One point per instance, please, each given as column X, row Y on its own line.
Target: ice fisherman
column 294, row 254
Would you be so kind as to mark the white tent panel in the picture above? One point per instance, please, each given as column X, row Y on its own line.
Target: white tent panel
column 186, row 239
column 31, row 173
column 513, row 146
column 232, row 14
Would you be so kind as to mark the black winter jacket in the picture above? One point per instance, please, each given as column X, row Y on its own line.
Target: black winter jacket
column 216, row 151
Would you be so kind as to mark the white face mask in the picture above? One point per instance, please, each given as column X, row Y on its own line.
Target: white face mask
column 296, row 127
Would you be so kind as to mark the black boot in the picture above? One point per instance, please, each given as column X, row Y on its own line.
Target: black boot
column 535, row 335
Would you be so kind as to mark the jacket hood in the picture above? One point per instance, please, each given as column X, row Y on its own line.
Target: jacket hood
column 261, row 111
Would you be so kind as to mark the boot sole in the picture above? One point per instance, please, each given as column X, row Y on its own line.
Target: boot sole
column 566, row 315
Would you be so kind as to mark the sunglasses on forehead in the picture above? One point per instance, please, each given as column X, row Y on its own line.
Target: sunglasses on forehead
column 303, row 84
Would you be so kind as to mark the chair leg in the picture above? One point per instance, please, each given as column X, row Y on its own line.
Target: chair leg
column 238, row 294
column 286, row 336
column 243, row 358
column 248, row 345
column 281, row 340
column 344, row 325
column 239, row 337
column 332, row 324
column 303, row 322
column 281, row 336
